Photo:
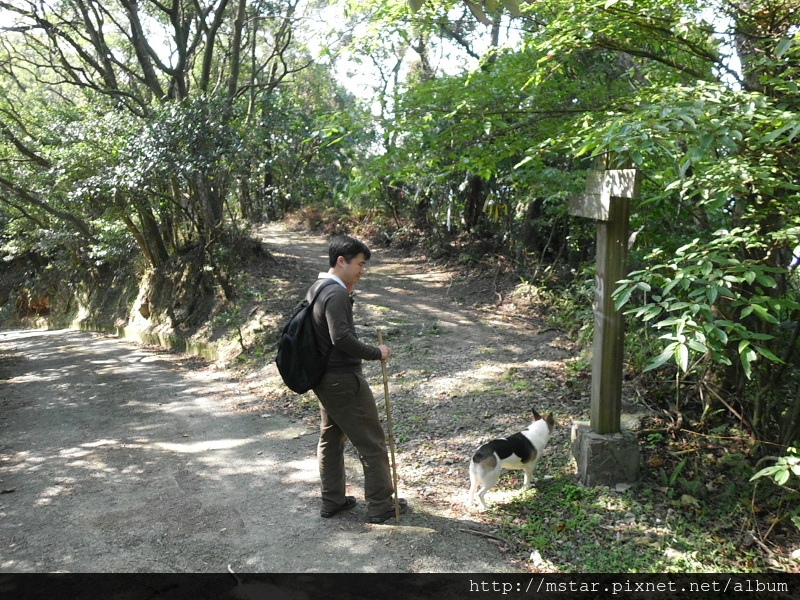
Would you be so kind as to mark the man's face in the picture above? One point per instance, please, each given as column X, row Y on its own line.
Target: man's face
column 351, row 272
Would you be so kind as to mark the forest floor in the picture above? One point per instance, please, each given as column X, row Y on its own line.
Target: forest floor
column 217, row 471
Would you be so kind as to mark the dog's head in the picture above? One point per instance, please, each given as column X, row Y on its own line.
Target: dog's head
column 548, row 418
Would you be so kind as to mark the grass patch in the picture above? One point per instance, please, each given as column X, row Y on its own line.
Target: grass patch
column 682, row 517
column 576, row 529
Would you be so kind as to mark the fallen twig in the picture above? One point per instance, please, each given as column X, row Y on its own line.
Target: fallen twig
column 487, row 535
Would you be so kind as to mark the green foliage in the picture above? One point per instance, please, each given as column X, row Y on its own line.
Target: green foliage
column 784, row 473
column 703, row 295
column 783, row 469
column 570, row 307
column 670, row 40
column 719, row 212
column 104, row 152
column 480, row 8
column 468, row 154
column 654, row 439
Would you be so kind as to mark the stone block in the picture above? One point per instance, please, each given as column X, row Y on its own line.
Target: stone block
column 607, row 459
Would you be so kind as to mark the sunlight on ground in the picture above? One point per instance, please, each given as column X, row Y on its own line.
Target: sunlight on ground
column 205, row 446
column 100, row 443
column 288, row 433
column 478, row 378
column 304, row 470
column 51, row 493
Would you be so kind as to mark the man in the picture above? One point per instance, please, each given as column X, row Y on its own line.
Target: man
column 347, row 405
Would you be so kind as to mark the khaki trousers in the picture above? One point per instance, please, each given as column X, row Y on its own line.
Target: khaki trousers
column 348, row 411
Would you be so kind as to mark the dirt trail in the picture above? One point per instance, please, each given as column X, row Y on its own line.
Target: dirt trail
column 117, row 458
column 453, row 343
column 120, row 459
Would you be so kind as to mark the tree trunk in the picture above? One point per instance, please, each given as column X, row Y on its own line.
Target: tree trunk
column 474, row 199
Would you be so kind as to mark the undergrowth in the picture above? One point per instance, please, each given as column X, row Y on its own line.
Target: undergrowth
column 697, row 506
column 694, row 510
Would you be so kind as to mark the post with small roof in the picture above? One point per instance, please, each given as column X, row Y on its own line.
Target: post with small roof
column 605, row 453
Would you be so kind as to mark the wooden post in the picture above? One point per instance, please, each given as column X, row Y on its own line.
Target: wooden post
column 607, row 200
column 609, row 324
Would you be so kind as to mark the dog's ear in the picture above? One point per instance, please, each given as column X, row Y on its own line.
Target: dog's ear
column 536, row 415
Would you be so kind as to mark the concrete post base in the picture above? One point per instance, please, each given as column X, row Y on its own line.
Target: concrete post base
column 608, row 459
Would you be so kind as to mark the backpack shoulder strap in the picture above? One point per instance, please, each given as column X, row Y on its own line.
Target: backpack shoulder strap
column 320, row 288
column 310, row 310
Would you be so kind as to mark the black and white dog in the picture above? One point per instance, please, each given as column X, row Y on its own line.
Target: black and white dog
column 519, row 451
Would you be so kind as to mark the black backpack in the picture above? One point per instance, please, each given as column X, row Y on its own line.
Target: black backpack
column 299, row 360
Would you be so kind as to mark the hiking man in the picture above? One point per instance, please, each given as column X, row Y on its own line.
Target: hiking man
column 347, row 405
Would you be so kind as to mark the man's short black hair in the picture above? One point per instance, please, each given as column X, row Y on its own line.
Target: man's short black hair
column 348, row 247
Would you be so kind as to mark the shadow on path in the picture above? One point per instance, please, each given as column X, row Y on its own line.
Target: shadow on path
column 121, row 459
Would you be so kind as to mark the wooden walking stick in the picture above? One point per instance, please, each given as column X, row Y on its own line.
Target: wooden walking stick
column 390, row 427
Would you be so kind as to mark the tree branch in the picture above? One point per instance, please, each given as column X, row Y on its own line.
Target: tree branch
column 28, row 197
